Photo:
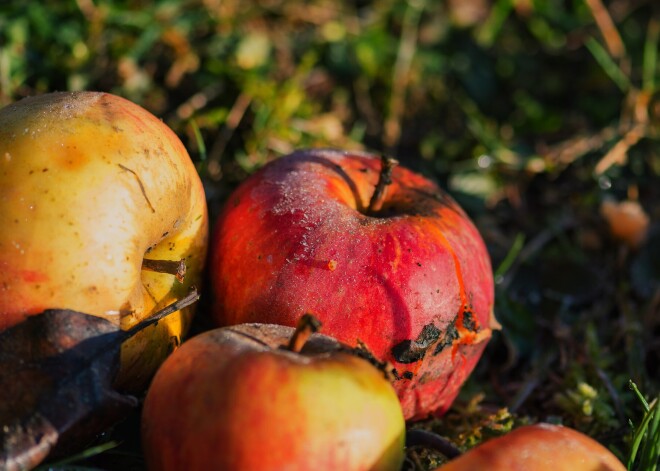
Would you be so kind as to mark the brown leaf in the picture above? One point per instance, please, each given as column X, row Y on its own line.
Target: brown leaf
column 57, row 371
column 56, row 375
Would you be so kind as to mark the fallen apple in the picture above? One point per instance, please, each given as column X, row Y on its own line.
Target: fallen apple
column 101, row 209
column 540, row 447
column 398, row 266
column 260, row 397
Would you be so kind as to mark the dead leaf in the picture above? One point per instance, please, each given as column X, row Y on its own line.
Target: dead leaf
column 57, row 371
column 56, row 375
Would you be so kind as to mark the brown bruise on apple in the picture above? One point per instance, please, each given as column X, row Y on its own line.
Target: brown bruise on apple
column 416, row 266
column 90, row 183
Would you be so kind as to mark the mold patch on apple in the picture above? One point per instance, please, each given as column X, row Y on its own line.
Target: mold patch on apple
column 411, row 351
column 407, row 275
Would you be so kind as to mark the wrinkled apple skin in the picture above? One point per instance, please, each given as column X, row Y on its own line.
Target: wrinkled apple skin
column 414, row 283
column 89, row 184
column 233, row 399
column 540, row 447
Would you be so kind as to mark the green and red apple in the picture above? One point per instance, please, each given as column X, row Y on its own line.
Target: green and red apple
column 246, row 398
column 540, row 447
column 406, row 272
column 91, row 185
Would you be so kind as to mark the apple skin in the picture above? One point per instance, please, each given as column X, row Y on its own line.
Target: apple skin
column 232, row 398
column 540, row 447
column 413, row 283
column 89, row 184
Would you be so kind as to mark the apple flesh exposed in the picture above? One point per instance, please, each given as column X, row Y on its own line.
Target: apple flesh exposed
column 540, row 447
column 412, row 280
column 233, row 398
column 90, row 185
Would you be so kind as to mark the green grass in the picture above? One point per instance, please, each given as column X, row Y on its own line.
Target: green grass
column 645, row 447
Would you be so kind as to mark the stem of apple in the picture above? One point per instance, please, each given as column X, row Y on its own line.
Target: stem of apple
column 186, row 301
column 307, row 325
column 433, row 441
column 384, row 179
column 172, row 267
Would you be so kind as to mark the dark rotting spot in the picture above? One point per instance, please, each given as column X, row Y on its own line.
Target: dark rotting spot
column 395, row 374
column 448, row 338
column 362, row 351
column 410, row 351
column 425, row 378
column 468, row 320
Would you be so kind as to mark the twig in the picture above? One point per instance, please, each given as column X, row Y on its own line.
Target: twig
column 384, row 179
column 607, row 28
column 198, row 101
column 533, row 247
column 142, row 189
column 432, row 441
column 233, row 120
column 171, row 267
column 182, row 303
column 618, row 405
column 619, row 153
column 307, row 325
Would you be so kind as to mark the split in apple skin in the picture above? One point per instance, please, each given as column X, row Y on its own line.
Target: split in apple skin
column 411, row 280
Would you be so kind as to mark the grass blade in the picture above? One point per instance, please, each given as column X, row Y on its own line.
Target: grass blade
column 608, row 65
column 650, row 55
column 645, row 447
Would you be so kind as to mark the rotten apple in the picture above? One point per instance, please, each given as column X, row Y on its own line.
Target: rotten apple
column 101, row 209
column 379, row 253
column 540, row 447
column 262, row 397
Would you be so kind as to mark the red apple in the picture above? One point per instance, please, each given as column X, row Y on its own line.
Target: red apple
column 236, row 399
column 540, row 447
column 409, row 276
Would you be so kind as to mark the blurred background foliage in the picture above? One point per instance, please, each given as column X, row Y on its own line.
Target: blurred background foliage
column 540, row 116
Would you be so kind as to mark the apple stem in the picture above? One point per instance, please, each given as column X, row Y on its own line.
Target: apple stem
column 172, row 267
column 184, row 302
column 307, row 325
column 384, row 179
column 433, row 441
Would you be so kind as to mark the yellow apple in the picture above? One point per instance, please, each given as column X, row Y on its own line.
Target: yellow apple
column 91, row 185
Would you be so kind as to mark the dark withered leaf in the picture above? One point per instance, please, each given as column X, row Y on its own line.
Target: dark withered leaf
column 56, row 374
